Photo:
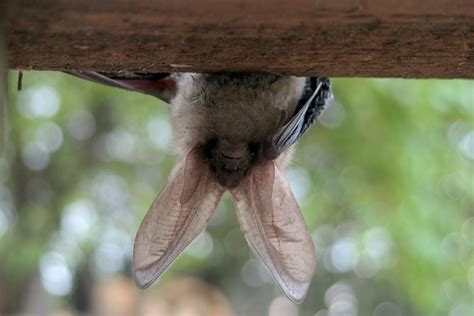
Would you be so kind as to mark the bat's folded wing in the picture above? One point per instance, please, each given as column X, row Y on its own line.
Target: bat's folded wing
column 179, row 213
column 160, row 85
column 275, row 229
column 314, row 100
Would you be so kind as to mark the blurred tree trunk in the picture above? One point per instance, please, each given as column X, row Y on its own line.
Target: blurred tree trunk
column 3, row 73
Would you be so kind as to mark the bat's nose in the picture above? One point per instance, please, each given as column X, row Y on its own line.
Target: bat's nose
column 232, row 160
column 231, row 164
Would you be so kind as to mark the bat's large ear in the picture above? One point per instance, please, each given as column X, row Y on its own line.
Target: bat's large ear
column 179, row 213
column 160, row 85
column 275, row 229
column 314, row 100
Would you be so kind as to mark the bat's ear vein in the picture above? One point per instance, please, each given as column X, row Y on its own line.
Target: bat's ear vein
column 194, row 173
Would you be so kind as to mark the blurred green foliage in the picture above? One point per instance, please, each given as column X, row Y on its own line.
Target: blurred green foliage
column 385, row 181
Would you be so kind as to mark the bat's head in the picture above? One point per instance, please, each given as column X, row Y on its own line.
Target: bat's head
column 241, row 119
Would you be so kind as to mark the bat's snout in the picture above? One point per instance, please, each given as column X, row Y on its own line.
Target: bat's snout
column 229, row 160
column 231, row 164
column 232, row 156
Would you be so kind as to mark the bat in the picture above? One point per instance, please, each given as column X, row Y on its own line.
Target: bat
column 234, row 132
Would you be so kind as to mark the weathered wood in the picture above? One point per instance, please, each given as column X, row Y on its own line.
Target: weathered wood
column 393, row 38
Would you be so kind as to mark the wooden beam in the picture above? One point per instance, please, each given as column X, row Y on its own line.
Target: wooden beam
column 392, row 38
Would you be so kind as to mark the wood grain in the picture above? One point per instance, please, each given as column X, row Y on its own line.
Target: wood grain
column 346, row 38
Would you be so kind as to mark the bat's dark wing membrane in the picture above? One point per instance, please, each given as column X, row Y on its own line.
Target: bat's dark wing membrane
column 160, row 85
column 314, row 100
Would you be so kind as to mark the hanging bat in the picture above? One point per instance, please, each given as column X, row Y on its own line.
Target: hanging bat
column 234, row 132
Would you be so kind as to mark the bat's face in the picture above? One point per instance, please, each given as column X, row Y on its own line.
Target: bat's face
column 230, row 161
column 230, row 118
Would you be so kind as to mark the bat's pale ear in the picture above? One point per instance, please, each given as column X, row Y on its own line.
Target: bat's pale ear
column 275, row 229
column 179, row 213
column 160, row 85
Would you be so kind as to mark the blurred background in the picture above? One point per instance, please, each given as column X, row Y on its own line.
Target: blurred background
column 385, row 181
